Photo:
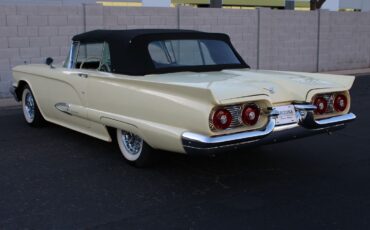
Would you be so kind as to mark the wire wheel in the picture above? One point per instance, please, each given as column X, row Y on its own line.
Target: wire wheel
column 131, row 145
column 134, row 149
column 29, row 106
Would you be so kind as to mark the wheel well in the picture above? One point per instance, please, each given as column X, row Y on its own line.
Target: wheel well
column 20, row 88
column 112, row 133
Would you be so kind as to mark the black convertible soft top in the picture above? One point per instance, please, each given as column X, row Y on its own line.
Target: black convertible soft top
column 129, row 49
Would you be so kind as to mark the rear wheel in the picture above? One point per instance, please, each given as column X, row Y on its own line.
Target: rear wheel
column 30, row 108
column 134, row 149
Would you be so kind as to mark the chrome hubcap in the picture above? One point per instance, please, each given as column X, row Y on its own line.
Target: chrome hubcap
column 29, row 106
column 132, row 143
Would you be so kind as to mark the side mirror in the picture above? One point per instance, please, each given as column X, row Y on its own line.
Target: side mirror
column 49, row 61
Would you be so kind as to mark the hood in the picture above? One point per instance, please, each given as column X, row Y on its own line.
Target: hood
column 242, row 83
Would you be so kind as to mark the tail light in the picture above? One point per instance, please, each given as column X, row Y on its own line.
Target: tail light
column 340, row 103
column 321, row 104
column 250, row 114
column 221, row 119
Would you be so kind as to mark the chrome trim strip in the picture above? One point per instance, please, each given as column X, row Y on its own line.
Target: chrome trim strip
column 308, row 107
column 64, row 107
column 75, row 47
column 285, row 127
column 190, row 137
column 336, row 120
column 70, row 62
column 310, row 123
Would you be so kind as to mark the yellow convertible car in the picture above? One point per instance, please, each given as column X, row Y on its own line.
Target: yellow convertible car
column 176, row 90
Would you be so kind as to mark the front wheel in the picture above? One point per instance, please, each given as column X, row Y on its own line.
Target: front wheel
column 30, row 108
column 134, row 149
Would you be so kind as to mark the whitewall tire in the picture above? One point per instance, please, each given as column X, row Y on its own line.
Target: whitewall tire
column 30, row 109
column 134, row 149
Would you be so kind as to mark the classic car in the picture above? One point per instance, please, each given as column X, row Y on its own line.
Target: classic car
column 181, row 91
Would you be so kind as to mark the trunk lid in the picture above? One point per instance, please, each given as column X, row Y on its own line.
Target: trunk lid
column 241, row 83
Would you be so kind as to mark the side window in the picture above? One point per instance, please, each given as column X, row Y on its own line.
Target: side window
column 159, row 53
column 206, row 55
column 172, row 53
column 94, row 56
column 188, row 52
column 89, row 56
column 106, row 64
column 191, row 52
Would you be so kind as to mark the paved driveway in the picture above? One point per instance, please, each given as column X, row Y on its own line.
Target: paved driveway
column 56, row 178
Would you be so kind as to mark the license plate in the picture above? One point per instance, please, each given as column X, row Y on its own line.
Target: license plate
column 286, row 115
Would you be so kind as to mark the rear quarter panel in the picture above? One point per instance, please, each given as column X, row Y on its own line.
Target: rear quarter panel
column 159, row 113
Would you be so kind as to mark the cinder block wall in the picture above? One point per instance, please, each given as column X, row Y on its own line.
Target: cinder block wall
column 344, row 40
column 29, row 33
column 288, row 40
column 267, row 39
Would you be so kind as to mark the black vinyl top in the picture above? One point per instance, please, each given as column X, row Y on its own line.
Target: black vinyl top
column 125, row 35
column 129, row 49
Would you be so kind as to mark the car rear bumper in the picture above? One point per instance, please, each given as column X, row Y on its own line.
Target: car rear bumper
column 199, row 144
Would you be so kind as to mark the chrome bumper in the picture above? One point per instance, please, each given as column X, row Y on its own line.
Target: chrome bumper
column 307, row 126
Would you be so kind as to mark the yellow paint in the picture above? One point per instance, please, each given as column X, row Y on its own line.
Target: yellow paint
column 302, row 8
column 120, row 3
column 274, row 3
column 302, row 4
column 195, row 2
column 240, row 7
column 347, row 10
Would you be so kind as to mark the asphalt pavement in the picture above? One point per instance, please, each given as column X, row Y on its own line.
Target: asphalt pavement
column 55, row 178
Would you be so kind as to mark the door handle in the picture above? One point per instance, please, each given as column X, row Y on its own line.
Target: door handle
column 84, row 75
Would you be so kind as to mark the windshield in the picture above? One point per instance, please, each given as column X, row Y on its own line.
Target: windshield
column 200, row 52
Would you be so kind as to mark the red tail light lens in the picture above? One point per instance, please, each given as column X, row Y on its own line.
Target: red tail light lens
column 221, row 119
column 250, row 114
column 322, row 105
column 340, row 103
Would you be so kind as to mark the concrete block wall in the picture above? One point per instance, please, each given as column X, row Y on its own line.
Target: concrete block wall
column 30, row 33
column 266, row 39
column 288, row 40
column 98, row 17
column 344, row 40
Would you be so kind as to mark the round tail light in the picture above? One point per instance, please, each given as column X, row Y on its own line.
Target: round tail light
column 222, row 119
column 340, row 103
column 250, row 114
column 321, row 104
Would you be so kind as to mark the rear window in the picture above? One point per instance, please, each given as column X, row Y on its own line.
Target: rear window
column 180, row 53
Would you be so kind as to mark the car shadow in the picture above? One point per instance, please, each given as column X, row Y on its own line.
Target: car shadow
column 271, row 159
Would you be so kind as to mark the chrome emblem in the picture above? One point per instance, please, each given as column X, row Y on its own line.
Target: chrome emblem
column 63, row 107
